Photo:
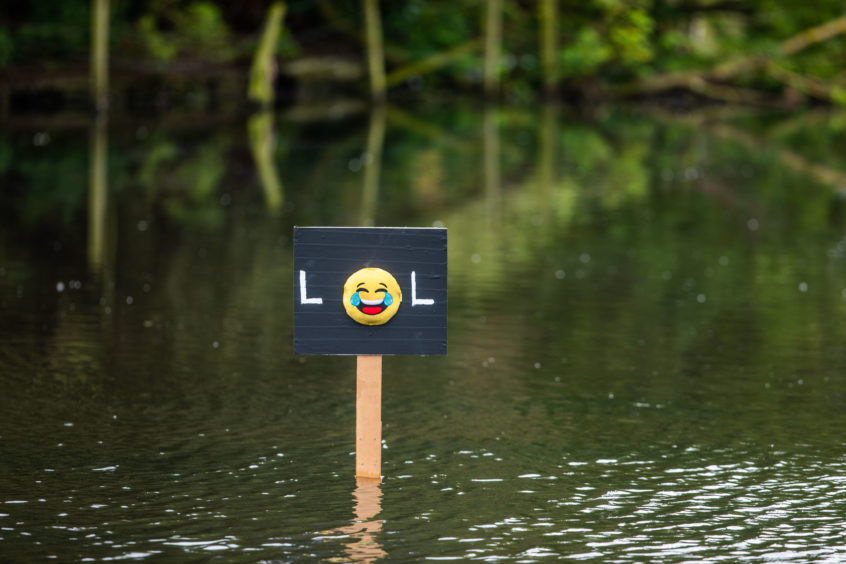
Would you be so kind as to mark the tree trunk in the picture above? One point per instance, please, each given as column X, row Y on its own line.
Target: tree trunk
column 375, row 51
column 493, row 46
column 263, row 69
column 548, row 16
column 100, row 55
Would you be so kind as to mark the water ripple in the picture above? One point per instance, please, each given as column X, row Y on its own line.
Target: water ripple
column 636, row 510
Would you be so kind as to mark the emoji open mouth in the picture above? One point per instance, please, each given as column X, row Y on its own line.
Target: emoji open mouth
column 371, row 307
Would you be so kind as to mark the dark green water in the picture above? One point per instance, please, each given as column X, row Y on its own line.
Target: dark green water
column 646, row 353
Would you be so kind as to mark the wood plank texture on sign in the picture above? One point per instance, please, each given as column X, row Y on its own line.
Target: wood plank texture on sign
column 329, row 255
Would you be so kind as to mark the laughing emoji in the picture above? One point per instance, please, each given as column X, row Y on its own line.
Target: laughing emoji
column 371, row 296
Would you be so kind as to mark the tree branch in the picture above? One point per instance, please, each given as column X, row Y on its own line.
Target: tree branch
column 730, row 69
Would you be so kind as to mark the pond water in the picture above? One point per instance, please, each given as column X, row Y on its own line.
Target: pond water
column 646, row 359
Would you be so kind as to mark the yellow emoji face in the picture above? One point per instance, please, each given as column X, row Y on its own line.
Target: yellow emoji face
column 372, row 296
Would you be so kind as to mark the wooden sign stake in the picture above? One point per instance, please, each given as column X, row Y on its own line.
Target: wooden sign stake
column 368, row 417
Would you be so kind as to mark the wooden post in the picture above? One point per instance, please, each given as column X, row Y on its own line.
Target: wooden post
column 368, row 417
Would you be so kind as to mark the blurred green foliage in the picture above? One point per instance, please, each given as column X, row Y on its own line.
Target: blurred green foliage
column 605, row 43
column 44, row 31
column 6, row 47
column 196, row 30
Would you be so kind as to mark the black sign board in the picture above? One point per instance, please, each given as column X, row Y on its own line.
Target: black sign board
column 370, row 291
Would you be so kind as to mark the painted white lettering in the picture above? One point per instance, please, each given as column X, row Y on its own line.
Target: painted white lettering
column 304, row 299
column 414, row 299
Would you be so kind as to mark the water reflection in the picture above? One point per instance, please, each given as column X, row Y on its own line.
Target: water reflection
column 826, row 175
column 547, row 157
column 98, row 200
column 260, row 127
column 668, row 386
column 491, row 157
column 364, row 530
